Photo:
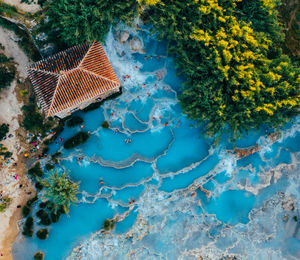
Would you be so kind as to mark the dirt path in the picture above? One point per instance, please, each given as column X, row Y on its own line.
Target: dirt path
column 32, row 8
column 10, row 109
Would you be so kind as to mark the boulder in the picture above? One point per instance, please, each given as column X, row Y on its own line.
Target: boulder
column 288, row 204
column 136, row 45
column 123, row 37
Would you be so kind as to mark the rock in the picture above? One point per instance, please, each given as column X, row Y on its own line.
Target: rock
column 48, row 50
column 123, row 37
column 285, row 218
column 42, row 37
column 288, row 205
column 136, row 45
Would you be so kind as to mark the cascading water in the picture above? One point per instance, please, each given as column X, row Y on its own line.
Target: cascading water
column 175, row 195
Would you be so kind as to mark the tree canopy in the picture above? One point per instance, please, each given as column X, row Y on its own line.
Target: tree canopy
column 237, row 77
column 228, row 50
column 60, row 190
column 76, row 21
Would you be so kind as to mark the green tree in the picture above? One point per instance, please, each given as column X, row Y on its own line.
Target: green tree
column 76, row 21
column 60, row 190
column 39, row 256
column 7, row 75
column 237, row 77
column 3, row 131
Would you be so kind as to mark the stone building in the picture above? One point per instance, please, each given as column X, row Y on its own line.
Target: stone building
column 73, row 79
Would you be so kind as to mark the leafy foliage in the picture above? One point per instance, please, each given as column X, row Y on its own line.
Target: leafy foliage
column 76, row 21
column 36, row 171
column 60, row 190
column 26, row 211
column 4, row 202
column 74, row 121
column 108, row 224
column 237, row 77
column 105, row 124
column 33, row 120
column 76, row 140
column 38, row 256
column 3, row 131
column 43, row 216
column 42, row 233
column 49, row 166
column 7, row 75
column 28, row 227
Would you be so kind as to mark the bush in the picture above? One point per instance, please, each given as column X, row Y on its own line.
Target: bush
column 3, row 58
column 43, row 205
column 75, row 120
column 26, row 211
column 28, row 227
column 4, row 203
column 76, row 140
column 55, row 217
column 3, row 131
column 42, row 233
column 39, row 256
column 31, row 201
column 38, row 186
column 33, row 120
column 54, row 157
column 105, row 124
column 49, row 166
column 7, row 75
column 108, row 224
column 43, row 216
column 36, row 170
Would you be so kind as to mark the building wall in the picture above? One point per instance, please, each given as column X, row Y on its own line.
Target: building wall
column 86, row 103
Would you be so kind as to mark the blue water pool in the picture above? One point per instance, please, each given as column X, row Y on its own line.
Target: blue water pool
column 174, row 189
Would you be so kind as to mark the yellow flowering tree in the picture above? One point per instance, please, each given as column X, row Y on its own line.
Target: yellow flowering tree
column 237, row 77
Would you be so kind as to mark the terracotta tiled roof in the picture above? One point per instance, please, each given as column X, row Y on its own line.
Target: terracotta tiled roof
column 70, row 77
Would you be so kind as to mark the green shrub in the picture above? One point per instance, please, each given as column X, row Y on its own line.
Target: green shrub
column 28, row 227
column 38, row 186
column 43, row 216
column 74, row 121
column 3, row 131
column 33, row 120
column 3, row 58
column 43, row 205
column 42, row 233
column 108, row 224
column 4, row 202
column 30, row 202
column 49, row 166
column 55, row 217
column 39, row 256
column 36, row 170
column 54, row 157
column 76, row 140
column 26, row 211
column 7, row 75
column 105, row 124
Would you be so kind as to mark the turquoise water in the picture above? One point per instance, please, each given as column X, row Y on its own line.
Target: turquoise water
column 165, row 169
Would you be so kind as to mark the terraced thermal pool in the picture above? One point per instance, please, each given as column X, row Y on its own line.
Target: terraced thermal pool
column 191, row 199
